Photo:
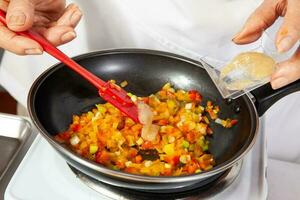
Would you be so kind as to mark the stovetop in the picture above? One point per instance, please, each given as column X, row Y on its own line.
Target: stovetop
column 43, row 174
column 200, row 190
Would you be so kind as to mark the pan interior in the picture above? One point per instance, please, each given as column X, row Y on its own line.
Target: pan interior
column 60, row 93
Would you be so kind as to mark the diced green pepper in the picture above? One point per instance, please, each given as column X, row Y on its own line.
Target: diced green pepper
column 185, row 144
column 115, row 168
column 101, row 109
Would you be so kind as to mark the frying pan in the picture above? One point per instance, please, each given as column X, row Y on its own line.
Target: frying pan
column 59, row 93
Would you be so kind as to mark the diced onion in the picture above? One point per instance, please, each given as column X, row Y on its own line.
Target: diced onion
column 188, row 106
column 145, row 113
column 124, row 84
column 148, row 163
column 133, row 98
column 128, row 163
column 150, row 132
column 218, row 121
column 74, row 140
column 171, row 139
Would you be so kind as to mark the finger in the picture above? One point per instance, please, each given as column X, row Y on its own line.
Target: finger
column 71, row 16
column 4, row 5
column 18, row 44
column 289, row 32
column 287, row 72
column 260, row 20
column 20, row 15
column 59, row 35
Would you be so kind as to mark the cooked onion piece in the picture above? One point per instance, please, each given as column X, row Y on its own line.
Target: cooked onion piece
column 149, row 131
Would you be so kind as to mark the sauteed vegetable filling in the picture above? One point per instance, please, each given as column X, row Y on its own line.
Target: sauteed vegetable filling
column 180, row 147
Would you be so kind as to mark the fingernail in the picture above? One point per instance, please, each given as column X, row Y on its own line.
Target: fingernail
column 18, row 18
column 279, row 82
column 236, row 36
column 68, row 36
column 33, row 51
column 76, row 17
column 285, row 44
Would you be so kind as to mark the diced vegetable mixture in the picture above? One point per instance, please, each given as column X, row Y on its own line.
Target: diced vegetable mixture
column 106, row 136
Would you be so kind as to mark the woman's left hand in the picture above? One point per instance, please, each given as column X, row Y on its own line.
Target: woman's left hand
column 287, row 36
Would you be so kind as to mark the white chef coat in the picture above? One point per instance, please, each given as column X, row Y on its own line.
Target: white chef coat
column 191, row 28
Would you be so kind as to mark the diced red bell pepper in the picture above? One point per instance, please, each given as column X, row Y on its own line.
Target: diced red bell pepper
column 138, row 159
column 120, row 164
column 195, row 96
column 102, row 157
column 173, row 160
column 163, row 122
column 209, row 131
column 65, row 136
column 147, row 145
column 76, row 127
column 176, row 160
column 167, row 172
column 133, row 152
column 131, row 170
column 234, row 122
column 191, row 137
column 191, row 168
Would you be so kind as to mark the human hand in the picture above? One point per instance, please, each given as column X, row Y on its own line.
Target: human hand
column 287, row 36
column 50, row 18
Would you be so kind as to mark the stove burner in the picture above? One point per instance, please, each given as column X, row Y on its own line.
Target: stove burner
column 212, row 186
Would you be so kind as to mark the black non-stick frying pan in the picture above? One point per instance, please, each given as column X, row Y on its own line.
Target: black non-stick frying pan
column 60, row 93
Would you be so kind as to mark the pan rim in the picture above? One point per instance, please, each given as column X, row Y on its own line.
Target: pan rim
column 132, row 177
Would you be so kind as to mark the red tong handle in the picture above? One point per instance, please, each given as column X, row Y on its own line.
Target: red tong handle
column 110, row 92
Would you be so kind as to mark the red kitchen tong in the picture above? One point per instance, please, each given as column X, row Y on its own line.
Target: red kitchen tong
column 107, row 90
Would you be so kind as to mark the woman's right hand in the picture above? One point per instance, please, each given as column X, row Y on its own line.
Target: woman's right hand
column 50, row 18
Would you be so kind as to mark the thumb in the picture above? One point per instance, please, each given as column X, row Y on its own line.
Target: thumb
column 263, row 17
column 20, row 14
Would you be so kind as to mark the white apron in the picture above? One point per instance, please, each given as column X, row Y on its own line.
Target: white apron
column 192, row 28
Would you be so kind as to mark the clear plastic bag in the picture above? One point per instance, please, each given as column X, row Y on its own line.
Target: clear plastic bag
column 213, row 66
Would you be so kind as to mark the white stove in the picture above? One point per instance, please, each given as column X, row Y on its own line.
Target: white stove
column 44, row 175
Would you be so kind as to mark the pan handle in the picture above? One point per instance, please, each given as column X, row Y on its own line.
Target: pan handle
column 265, row 96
